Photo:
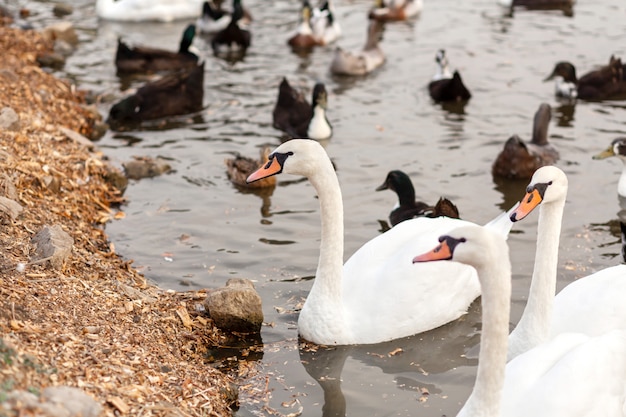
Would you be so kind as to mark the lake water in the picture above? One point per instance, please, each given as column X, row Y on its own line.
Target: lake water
column 192, row 229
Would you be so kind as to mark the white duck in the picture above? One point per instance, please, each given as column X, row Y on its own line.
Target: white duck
column 617, row 148
column 326, row 28
column 572, row 375
column 378, row 295
column 146, row 10
column 592, row 305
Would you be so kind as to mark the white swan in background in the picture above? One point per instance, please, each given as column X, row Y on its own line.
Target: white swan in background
column 146, row 10
column 617, row 148
column 378, row 295
column 572, row 375
column 592, row 305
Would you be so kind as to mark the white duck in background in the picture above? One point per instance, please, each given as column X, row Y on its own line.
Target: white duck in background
column 617, row 148
column 213, row 18
column 324, row 24
column 378, row 295
column 592, row 305
column 148, row 10
column 572, row 375
column 395, row 10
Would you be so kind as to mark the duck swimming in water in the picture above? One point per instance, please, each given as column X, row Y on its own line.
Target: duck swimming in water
column 297, row 118
column 364, row 61
column 142, row 59
column 446, row 86
column 395, row 10
column 605, row 83
column 407, row 207
column 520, row 160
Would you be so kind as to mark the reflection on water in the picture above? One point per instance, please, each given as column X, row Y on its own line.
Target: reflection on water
column 415, row 363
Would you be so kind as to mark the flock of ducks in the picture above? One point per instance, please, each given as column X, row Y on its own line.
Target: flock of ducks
column 565, row 349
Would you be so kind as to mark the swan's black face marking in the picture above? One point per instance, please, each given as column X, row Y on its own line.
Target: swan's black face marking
column 442, row 252
column 451, row 243
column 280, row 159
column 274, row 166
column 540, row 188
column 534, row 196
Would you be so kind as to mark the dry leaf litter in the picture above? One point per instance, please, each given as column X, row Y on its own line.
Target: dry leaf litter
column 92, row 322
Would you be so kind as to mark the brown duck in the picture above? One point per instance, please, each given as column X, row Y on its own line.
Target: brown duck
column 520, row 160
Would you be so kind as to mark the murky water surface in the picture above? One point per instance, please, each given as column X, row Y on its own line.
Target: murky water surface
column 193, row 229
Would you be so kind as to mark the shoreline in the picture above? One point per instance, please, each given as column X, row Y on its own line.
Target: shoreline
column 90, row 321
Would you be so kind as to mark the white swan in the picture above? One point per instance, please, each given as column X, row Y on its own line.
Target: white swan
column 617, row 148
column 592, row 305
column 378, row 295
column 572, row 375
column 146, row 10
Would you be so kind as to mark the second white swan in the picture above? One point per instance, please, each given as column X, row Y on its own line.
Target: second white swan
column 592, row 305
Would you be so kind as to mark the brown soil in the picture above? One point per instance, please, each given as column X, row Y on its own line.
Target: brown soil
column 94, row 323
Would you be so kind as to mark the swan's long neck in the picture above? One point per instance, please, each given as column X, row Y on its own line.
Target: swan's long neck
column 330, row 267
column 495, row 281
column 534, row 325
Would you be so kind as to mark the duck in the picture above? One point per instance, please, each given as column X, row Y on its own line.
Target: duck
column 364, row 61
column 214, row 18
column 537, row 3
column 326, row 28
column 141, row 59
column 234, row 39
column 520, row 160
column 395, row 10
column 408, row 207
column 572, row 375
column 617, row 148
column 606, row 83
column 358, row 303
column 446, row 86
column 303, row 38
column 176, row 93
column 240, row 167
column 297, row 118
column 591, row 305
column 147, row 10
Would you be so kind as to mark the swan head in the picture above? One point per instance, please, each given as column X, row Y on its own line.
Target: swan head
column 548, row 185
column 472, row 245
column 296, row 156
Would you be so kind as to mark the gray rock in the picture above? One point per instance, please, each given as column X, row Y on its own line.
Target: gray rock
column 116, row 178
column 62, row 9
column 9, row 207
column 52, row 244
column 51, row 60
column 74, row 400
column 59, row 401
column 9, row 119
column 76, row 137
column 7, row 187
column 236, row 307
column 62, row 31
column 145, row 167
